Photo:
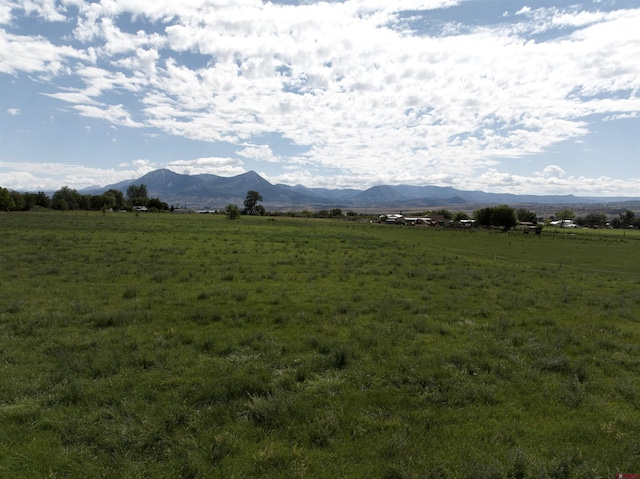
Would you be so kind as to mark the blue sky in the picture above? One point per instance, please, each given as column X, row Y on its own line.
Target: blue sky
column 538, row 97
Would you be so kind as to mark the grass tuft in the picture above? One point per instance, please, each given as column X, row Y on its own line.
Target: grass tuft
column 130, row 292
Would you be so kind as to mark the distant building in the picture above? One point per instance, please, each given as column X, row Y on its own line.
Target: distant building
column 563, row 224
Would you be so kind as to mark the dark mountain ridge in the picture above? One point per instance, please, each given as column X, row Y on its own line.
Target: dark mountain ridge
column 212, row 191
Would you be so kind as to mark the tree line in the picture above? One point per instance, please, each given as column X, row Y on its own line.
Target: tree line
column 507, row 217
column 69, row 199
column 503, row 216
column 625, row 219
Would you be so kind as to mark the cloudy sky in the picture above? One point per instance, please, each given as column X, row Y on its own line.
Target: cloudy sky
column 533, row 96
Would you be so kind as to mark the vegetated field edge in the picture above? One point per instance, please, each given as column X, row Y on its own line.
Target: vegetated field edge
column 192, row 346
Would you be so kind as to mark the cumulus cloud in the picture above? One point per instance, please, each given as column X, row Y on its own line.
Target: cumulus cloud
column 551, row 171
column 25, row 181
column 347, row 82
column 19, row 53
column 48, row 10
column 5, row 14
column 143, row 164
column 114, row 114
column 261, row 153
column 567, row 17
column 30, row 176
column 210, row 165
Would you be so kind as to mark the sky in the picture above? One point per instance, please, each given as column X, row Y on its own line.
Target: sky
column 506, row 96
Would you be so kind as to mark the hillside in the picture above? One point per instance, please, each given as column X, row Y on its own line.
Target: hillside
column 212, row 191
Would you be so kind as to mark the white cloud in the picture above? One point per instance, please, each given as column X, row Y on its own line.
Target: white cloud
column 13, row 111
column 48, row 10
column 260, row 153
column 622, row 116
column 552, row 180
column 5, row 13
column 25, row 181
column 491, row 180
column 142, row 164
column 336, row 79
column 211, row 165
column 570, row 16
column 115, row 114
column 29, row 176
column 20, row 53
column 551, row 171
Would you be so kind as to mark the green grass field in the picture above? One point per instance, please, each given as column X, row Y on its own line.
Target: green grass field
column 159, row 345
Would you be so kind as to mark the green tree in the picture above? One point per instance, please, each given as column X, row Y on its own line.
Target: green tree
column 20, row 203
column 115, row 199
column 524, row 215
column 31, row 200
column 84, row 202
column 446, row 213
column 6, row 200
column 626, row 218
column 592, row 219
column 232, row 212
column 67, row 199
column 251, row 202
column 565, row 214
column 460, row 215
column 503, row 216
column 336, row 213
column 97, row 202
column 137, row 195
column 157, row 204
column 483, row 216
column 43, row 200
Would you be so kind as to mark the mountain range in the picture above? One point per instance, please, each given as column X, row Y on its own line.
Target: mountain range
column 212, row 191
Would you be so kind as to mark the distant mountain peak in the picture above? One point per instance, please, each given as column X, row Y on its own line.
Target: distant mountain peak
column 253, row 176
column 202, row 190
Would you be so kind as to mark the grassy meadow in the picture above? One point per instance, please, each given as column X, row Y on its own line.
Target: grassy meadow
column 167, row 346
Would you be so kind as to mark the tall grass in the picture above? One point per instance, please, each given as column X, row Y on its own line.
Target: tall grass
column 189, row 346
